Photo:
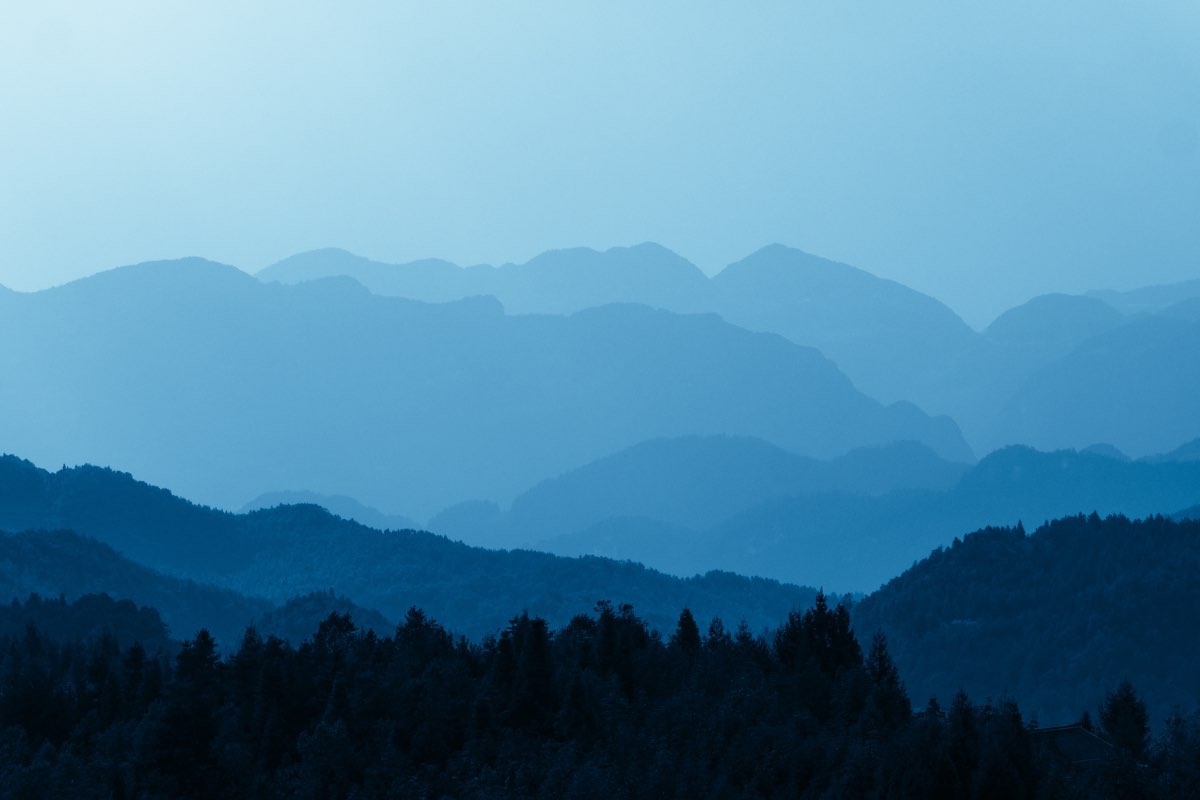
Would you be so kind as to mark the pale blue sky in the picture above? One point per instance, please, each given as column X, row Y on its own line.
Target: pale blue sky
column 982, row 152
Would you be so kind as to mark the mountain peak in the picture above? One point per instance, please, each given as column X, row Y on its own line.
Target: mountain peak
column 320, row 263
column 1054, row 316
column 186, row 275
column 780, row 260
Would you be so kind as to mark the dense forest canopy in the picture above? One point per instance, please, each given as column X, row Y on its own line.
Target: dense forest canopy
column 1054, row 618
column 602, row 707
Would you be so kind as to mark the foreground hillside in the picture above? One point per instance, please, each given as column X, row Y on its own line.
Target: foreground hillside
column 1053, row 618
column 602, row 707
column 283, row 552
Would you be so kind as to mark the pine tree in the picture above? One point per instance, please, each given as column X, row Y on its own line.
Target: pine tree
column 1124, row 719
column 686, row 638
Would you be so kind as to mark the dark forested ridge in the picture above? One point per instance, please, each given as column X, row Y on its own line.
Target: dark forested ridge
column 283, row 552
column 64, row 564
column 1054, row 618
column 51, row 563
column 602, row 707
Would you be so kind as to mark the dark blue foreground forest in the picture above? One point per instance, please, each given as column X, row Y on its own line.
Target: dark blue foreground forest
column 96, row 702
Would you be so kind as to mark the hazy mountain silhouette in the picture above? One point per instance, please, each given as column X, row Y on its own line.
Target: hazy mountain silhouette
column 1149, row 298
column 339, row 505
column 555, row 282
column 1056, row 618
column 289, row 551
column 891, row 340
column 1188, row 451
column 974, row 386
column 1192, row 513
column 1008, row 384
column 1051, row 325
column 688, row 483
column 1133, row 386
column 888, row 338
column 430, row 280
column 856, row 542
column 203, row 378
column 1104, row 449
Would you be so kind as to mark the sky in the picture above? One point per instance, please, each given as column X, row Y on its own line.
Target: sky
column 980, row 152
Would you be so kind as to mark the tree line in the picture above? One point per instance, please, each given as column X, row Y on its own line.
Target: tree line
column 603, row 707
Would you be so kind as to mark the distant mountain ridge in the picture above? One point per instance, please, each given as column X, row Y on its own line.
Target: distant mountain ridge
column 894, row 343
column 1149, row 299
column 690, row 482
column 203, row 378
column 1133, row 386
column 554, row 282
column 878, row 331
column 837, row 536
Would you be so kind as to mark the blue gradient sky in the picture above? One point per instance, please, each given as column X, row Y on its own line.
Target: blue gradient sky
column 980, row 152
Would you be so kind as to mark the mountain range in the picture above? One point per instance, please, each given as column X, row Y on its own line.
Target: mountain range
column 885, row 336
column 1015, row 382
column 197, row 376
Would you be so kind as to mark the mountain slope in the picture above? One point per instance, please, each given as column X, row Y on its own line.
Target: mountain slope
column 1051, row 325
column 891, row 340
column 1149, row 299
column 1054, row 619
column 1133, row 387
column 51, row 563
column 200, row 377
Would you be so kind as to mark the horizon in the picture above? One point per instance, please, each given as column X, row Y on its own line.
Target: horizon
column 979, row 325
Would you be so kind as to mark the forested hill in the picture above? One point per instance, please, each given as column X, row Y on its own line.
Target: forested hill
column 53, row 563
column 287, row 551
column 64, row 565
column 1055, row 618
